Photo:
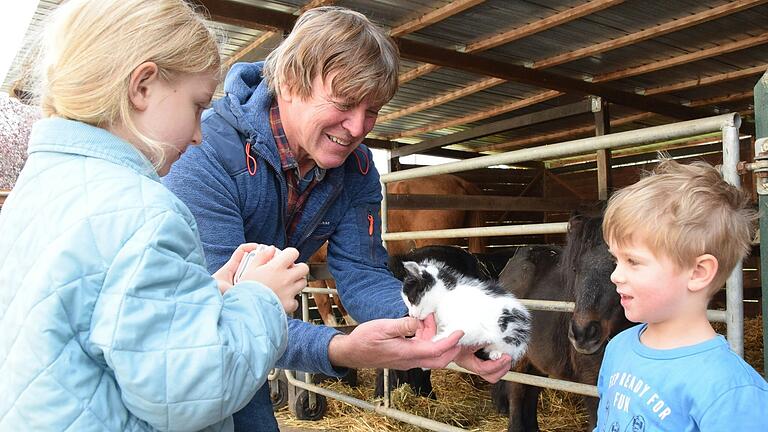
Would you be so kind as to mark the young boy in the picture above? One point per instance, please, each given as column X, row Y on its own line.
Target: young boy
column 676, row 235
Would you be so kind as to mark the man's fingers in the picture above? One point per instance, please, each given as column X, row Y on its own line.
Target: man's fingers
column 450, row 341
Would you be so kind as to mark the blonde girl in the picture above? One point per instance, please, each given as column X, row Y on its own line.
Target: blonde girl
column 110, row 320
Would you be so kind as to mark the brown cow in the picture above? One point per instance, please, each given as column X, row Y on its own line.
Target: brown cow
column 414, row 220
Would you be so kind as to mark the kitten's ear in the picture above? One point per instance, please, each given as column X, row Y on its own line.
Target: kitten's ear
column 412, row 268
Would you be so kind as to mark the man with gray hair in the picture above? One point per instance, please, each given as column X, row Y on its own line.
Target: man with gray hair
column 282, row 163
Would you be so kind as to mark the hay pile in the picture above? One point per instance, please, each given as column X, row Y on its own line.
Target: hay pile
column 459, row 404
column 463, row 405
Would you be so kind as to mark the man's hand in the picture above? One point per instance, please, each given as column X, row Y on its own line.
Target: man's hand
column 489, row 370
column 403, row 343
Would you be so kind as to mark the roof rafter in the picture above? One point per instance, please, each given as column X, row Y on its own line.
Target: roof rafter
column 229, row 11
column 682, row 59
column 554, row 137
column 519, row 33
column 262, row 38
column 444, row 98
column 659, row 30
column 668, row 27
column 714, row 79
column 501, row 109
column 434, row 16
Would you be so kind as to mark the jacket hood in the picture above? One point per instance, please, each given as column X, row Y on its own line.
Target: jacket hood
column 247, row 98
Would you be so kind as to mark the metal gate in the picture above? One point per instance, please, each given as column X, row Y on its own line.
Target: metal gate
column 727, row 125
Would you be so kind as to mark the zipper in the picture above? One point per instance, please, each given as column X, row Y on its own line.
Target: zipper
column 370, row 233
column 280, row 179
column 319, row 215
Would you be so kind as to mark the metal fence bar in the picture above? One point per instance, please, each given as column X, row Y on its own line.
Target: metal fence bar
column 510, row 230
column 539, row 381
column 586, row 145
column 734, row 290
column 389, row 412
column 761, row 154
column 541, row 305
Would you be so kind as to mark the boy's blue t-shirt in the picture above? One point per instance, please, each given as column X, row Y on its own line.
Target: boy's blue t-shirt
column 703, row 387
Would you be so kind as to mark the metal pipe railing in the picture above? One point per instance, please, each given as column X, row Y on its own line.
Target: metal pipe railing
column 586, row 145
column 389, row 412
column 734, row 289
column 733, row 316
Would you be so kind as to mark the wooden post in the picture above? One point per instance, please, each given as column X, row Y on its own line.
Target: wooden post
column 603, row 157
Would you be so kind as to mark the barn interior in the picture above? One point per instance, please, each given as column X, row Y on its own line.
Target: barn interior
column 484, row 77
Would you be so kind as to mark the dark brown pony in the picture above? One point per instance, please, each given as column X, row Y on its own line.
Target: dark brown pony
column 564, row 346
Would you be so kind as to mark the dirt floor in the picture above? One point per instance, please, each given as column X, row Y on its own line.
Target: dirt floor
column 465, row 404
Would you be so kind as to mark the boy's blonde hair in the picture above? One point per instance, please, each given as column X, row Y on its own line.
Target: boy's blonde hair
column 682, row 212
column 91, row 47
column 363, row 60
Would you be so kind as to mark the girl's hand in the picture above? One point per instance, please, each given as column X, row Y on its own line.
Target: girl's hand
column 280, row 274
column 225, row 275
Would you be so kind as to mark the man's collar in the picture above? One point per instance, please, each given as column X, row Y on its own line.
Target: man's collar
column 287, row 157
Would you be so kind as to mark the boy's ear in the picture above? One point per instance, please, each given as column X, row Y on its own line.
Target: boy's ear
column 704, row 270
column 142, row 80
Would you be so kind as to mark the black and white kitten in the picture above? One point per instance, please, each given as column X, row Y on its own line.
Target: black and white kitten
column 488, row 315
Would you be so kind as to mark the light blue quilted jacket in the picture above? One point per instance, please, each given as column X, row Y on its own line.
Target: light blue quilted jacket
column 109, row 320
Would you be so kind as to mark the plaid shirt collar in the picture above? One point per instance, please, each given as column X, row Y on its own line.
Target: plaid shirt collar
column 299, row 188
column 287, row 159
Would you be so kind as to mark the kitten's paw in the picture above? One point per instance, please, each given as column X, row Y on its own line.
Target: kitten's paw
column 495, row 355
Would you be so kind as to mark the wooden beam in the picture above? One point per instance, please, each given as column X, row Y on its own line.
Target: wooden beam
column 436, row 15
column 416, row 72
column 572, row 132
column 260, row 39
column 702, row 81
column 656, row 31
column 668, row 27
column 722, row 99
column 444, row 98
column 561, row 135
column 603, row 156
column 518, row 33
column 483, row 202
column 540, row 25
column 248, row 15
column 542, row 116
column 511, row 106
column 510, row 72
column 683, row 59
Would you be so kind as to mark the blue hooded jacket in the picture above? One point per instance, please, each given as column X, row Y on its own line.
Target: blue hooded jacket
column 232, row 206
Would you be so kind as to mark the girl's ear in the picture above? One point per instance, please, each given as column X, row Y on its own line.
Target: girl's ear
column 704, row 270
column 141, row 84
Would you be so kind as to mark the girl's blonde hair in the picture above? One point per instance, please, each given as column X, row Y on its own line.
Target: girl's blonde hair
column 336, row 41
column 91, row 47
column 682, row 212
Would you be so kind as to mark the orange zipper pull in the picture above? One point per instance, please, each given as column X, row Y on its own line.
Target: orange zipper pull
column 370, row 224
